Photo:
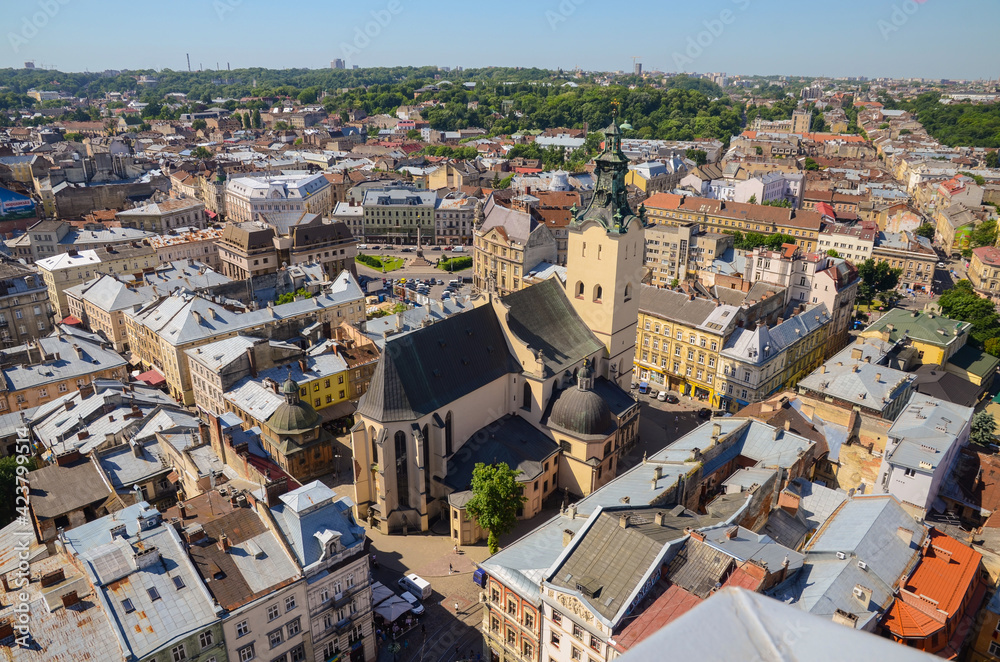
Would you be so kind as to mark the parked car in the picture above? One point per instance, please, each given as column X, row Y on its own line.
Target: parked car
column 436, row 248
column 415, row 605
column 704, row 413
column 448, row 248
column 941, row 265
column 407, row 250
column 662, row 396
column 672, row 399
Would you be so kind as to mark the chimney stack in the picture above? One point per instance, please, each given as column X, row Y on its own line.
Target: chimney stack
column 623, row 521
column 223, row 542
column 567, row 537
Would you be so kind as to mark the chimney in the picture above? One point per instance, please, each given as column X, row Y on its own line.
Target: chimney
column 788, row 425
column 197, row 316
column 252, row 360
column 223, row 542
column 211, row 313
column 623, row 521
column 78, row 350
column 69, row 457
column 658, row 519
column 657, row 473
column 878, row 377
column 716, row 431
column 303, row 366
column 572, row 511
column 567, row 537
column 731, row 533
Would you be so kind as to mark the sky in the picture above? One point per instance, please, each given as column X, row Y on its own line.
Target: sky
column 897, row 38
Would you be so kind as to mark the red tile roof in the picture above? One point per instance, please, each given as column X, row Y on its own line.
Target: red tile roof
column 671, row 605
column 988, row 254
column 934, row 592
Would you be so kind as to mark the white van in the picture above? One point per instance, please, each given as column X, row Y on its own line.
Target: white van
column 415, row 585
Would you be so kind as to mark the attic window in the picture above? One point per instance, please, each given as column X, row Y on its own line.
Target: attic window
column 128, row 606
column 178, row 583
column 154, row 595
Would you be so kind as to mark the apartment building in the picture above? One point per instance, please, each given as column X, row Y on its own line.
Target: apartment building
column 984, row 269
column 454, row 220
column 63, row 271
column 249, row 198
column 810, row 279
column 247, row 250
column 189, row 243
column 25, row 312
column 160, row 332
column 510, row 244
column 166, row 215
column 912, row 254
column 399, row 215
column 760, row 360
column 679, row 251
column 679, row 339
column 48, row 238
column 851, row 242
column 721, row 216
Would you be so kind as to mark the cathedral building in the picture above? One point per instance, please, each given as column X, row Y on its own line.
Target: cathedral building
column 537, row 379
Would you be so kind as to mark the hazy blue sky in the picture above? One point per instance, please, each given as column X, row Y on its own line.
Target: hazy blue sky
column 920, row 38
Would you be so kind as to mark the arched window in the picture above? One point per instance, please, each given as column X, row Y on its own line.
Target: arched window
column 598, row 294
column 371, row 439
column 583, row 251
column 526, row 402
column 402, row 472
column 579, row 289
column 599, row 248
column 628, row 297
column 448, row 438
column 425, row 457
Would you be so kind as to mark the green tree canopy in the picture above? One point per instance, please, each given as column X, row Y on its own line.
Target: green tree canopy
column 983, row 430
column 496, row 499
column 199, row 124
column 200, row 152
column 961, row 302
column 925, row 230
column 8, row 486
column 877, row 278
column 289, row 297
column 699, row 156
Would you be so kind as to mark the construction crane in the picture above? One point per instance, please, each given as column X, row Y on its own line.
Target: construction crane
column 634, row 58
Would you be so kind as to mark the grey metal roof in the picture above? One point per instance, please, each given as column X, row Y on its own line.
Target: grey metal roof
column 871, row 529
column 511, row 440
column 927, row 428
column 77, row 358
column 762, row 344
column 423, row 371
column 311, row 510
column 865, row 384
column 757, row 627
column 153, row 624
column 378, row 330
column 124, row 468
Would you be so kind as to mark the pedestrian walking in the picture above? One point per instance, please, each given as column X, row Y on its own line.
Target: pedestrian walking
column 449, row 569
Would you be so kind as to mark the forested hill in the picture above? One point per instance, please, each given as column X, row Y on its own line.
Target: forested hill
column 957, row 124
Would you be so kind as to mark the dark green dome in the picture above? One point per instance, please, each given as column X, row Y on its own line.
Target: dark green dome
column 582, row 411
column 290, row 387
column 293, row 419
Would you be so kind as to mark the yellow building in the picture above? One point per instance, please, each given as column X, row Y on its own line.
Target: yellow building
column 679, row 338
column 984, row 269
column 508, row 244
column 68, row 269
column 935, row 337
column 986, row 640
column 720, row 216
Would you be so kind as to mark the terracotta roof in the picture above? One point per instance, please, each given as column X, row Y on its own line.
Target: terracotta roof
column 671, row 605
column 988, row 254
column 944, row 576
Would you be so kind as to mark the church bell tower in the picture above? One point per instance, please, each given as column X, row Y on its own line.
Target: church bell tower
column 604, row 261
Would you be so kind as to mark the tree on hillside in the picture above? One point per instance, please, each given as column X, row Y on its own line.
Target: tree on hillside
column 199, row 124
column 496, row 498
column 983, row 430
column 200, row 152
column 877, row 279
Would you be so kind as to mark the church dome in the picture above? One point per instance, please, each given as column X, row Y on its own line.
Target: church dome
column 579, row 410
column 293, row 419
column 293, row 416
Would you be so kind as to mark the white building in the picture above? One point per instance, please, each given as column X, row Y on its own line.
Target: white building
column 249, row 198
column 922, row 446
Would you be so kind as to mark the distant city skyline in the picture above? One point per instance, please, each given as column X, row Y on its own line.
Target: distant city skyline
column 870, row 38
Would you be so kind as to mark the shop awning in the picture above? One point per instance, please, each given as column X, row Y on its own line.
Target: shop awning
column 152, row 377
column 392, row 608
column 71, row 320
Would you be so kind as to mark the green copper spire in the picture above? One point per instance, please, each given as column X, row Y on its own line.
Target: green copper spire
column 609, row 205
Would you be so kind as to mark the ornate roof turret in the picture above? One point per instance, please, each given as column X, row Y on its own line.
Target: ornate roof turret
column 609, row 205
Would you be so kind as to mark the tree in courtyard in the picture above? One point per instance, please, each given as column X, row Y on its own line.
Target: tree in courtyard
column 199, row 124
column 201, row 152
column 877, row 278
column 925, row 230
column 9, row 469
column 811, row 164
column 983, row 429
column 496, row 498
column 961, row 302
column 753, row 199
column 699, row 156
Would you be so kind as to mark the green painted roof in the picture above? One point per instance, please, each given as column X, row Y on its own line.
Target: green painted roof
column 975, row 361
column 920, row 326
